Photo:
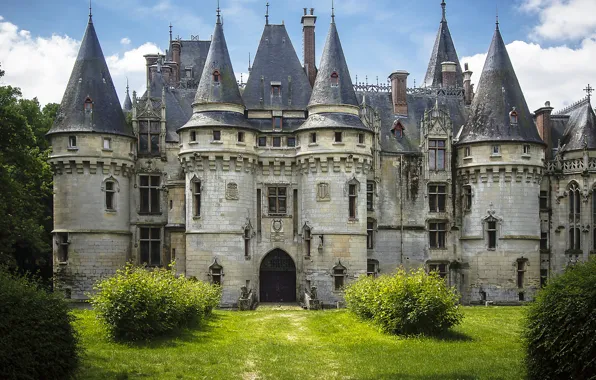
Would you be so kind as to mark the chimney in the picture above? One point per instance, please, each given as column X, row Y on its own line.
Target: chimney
column 308, row 34
column 399, row 84
column 449, row 72
column 150, row 60
column 468, row 86
column 176, row 47
column 544, row 125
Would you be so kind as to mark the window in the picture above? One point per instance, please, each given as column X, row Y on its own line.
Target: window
column 398, row 129
column 467, row 198
column 62, row 242
column 436, row 154
column 491, row 232
column 513, row 117
column 277, row 123
column 275, row 90
column 150, row 243
column 496, row 149
column 521, row 272
column 334, row 79
column 149, row 137
column 437, row 233
column 277, row 200
column 196, row 197
column 526, row 149
column 339, row 274
column 574, row 216
column 544, row 241
column 216, row 77
column 467, row 152
column 150, row 188
column 594, row 220
column 72, row 141
column 276, row 142
column 107, row 143
column 437, row 195
column 110, row 196
column 307, row 240
column 216, row 135
column 338, row 137
column 216, row 272
column 352, row 200
column 247, row 242
column 372, row 268
column 291, row 142
column 193, row 136
column 88, row 105
column 441, row 269
column 361, row 138
column 544, row 200
column 370, row 233
column 262, row 141
column 313, row 138
column 370, row 195
column 543, row 277
column 240, row 137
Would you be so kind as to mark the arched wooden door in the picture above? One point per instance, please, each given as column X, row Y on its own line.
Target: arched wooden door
column 277, row 278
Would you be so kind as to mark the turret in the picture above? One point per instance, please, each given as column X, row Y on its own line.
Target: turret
column 92, row 161
column 127, row 106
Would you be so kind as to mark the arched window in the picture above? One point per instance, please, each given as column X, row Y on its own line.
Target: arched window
column 110, row 188
column 88, row 105
column 513, row 117
column 339, row 276
column 216, row 77
column 398, row 129
column 334, row 79
column 215, row 272
column 574, row 216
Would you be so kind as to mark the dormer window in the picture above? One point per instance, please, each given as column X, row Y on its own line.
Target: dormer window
column 334, row 79
column 398, row 129
column 216, row 77
column 88, row 105
column 275, row 88
column 513, row 117
column 277, row 123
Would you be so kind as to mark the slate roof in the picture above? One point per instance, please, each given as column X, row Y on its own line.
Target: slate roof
column 443, row 51
column 417, row 105
column 333, row 60
column 581, row 129
column 218, row 58
column 193, row 54
column 498, row 92
column 276, row 61
column 91, row 78
column 127, row 106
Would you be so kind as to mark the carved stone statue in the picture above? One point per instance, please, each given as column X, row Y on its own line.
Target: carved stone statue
column 247, row 299
column 312, row 299
column 313, row 293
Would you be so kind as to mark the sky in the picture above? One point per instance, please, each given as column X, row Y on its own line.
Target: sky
column 552, row 43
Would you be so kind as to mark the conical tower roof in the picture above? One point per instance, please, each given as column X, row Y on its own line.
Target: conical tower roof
column 90, row 83
column 443, row 51
column 498, row 96
column 581, row 128
column 127, row 106
column 328, row 89
column 221, row 88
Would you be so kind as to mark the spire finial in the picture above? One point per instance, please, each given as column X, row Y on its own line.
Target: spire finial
column 249, row 68
column 267, row 15
column 589, row 90
column 497, row 16
column 170, row 32
column 126, row 85
column 218, row 13
column 444, row 6
column 90, row 13
column 332, row 12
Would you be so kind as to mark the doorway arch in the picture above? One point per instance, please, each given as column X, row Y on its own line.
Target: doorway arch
column 277, row 278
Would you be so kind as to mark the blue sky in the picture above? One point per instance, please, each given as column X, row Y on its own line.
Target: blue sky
column 378, row 36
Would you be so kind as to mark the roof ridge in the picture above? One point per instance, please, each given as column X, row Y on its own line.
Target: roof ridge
column 572, row 107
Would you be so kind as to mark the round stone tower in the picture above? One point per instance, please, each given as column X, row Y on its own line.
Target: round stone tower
column 92, row 157
column 218, row 156
column 499, row 167
column 333, row 161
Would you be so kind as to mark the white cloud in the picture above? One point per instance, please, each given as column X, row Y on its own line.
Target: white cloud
column 562, row 20
column 41, row 66
column 557, row 74
column 125, row 41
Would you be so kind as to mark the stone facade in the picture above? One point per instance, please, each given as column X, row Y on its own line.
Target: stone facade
column 283, row 195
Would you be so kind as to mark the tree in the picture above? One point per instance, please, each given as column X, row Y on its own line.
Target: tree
column 25, row 180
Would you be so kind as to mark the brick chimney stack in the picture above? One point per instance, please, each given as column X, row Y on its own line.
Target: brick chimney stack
column 449, row 71
column 468, row 86
column 176, row 47
column 544, row 125
column 308, row 33
column 399, row 85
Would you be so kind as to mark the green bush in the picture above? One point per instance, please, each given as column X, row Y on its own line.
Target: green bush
column 37, row 340
column 139, row 303
column 406, row 303
column 560, row 327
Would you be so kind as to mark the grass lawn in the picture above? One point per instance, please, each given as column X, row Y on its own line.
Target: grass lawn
column 296, row 344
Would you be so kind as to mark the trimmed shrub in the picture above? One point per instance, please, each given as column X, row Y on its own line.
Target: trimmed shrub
column 560, row 327
column 406, row 303
column 140, row 303
column 37, row 340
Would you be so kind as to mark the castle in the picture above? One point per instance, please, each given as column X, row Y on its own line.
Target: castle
column 301, row 178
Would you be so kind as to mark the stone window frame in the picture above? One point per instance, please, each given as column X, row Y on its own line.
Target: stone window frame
column 371, row 233
column 338, row 137
column 521, row 267
column 276, row 141
column 193, row 137
column 543, row 199
column 352, row 184
column 107, row 140
column 467, row 152
column 277, row 198
column 491, row 217
column 72, row 142
column 375, row 268
column 150, row 239
column 263, row 140
column 361, row 139
column 434, row 146
column 439, row 240
column 114, row 191
column 467, row 196
column 216, row 136
column 275, row 126
column 339, row 273
column 62, row 240
column 293, row 139
column 216, row 273
column 312, row 138
column 144, row 128
column 196, row 190
column 495, row 150
column 150, row 186
column 574, row 208
column 307, row 238
column 334, row 77
column 216, row 77
column 371, row 188
column 240, row 137
column 435, row 265
column 437, row 195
